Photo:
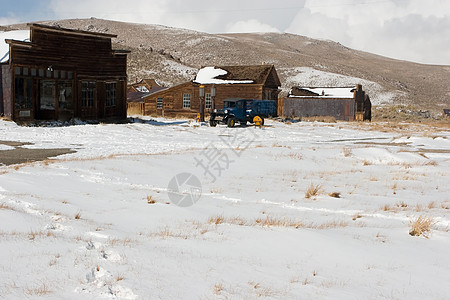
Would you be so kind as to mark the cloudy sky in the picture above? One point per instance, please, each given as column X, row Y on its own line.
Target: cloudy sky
column 415, row 30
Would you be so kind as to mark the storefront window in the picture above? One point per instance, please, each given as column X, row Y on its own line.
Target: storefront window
column 23, row 88
column 47, row 95
column 65, row 100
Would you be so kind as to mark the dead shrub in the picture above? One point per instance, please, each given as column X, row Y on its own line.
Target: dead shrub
column 216, row 220
column 421, row 226
column 313, row 190
column 78, row 216
column 150, row 200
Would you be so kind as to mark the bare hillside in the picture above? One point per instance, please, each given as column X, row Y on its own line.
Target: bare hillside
column 173, row 55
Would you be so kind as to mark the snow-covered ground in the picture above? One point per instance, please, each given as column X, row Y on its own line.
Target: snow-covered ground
column 99, row 223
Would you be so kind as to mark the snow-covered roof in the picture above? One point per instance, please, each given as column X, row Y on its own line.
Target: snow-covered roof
column 207, row 75
column 18, row 35
column 328, row 92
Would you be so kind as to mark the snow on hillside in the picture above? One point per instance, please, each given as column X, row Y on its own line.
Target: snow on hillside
column 99, row 223
column 309, row 77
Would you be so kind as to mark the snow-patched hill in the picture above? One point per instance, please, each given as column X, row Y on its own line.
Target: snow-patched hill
column 100, row 223
column 174, row 55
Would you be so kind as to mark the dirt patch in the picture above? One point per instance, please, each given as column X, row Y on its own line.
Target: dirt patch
column 14, row 144
column 21, row 155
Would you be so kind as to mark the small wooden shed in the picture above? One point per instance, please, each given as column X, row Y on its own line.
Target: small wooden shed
column 59, row 74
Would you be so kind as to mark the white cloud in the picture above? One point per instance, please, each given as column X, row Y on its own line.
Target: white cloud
column 414, row 30
column 410, row 30
column 250, row 26
column 9, row 20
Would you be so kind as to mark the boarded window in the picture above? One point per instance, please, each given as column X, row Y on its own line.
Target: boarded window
column 159, row 103
column 187, row 101
column 111, row 88
column 87, row 93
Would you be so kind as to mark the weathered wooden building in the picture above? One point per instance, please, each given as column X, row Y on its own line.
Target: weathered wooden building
column 61, row 74
column 250, row 82
column 342, row 103
column 137, row 92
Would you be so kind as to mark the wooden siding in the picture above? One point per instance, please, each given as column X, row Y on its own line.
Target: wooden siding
column 339, row 108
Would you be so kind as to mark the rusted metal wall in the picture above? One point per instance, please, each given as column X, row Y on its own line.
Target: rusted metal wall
column 340, row 109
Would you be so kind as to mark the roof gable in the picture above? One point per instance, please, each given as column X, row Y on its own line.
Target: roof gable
column 259, row 74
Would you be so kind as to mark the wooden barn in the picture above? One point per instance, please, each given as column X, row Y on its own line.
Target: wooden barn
column 342, row 103
column 219, row 83
column 59, row 74
column 137, row 92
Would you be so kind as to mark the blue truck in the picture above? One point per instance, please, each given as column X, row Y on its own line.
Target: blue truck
column 243, row 111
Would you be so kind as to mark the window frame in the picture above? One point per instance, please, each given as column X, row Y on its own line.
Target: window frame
column 186, row 101
column 208, row 100
column 111, row 94
column 159, row 103
column 88, row 93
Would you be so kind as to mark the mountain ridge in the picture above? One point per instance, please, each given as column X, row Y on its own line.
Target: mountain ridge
column 173, row 55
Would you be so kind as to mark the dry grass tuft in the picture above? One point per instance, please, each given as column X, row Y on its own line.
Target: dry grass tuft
column 366, row 163
column 270, row 221
column 313, row 190
column 119, row 277
column 78, row 216
column 332, row 224
column 39, row 291
column 347, row 151
column 218, row 288
column 5, row 206
column 335, row 195
column 323, row 119
column 150, row 200
column 356, row 216
column 216, row 220
column 421, row 226
column 402, row 204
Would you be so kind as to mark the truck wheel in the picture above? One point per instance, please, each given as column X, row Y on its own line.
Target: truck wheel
column 212, row 123
column 262, row 121
column 231, row 122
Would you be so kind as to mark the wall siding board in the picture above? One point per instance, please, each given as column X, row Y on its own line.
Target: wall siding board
column 340, row 109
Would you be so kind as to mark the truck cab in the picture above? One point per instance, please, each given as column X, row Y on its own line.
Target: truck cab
column 242, row 111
